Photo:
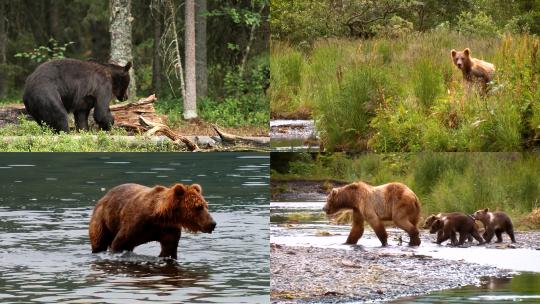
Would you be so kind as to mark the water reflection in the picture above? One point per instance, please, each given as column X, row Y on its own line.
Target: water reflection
column 45, row 209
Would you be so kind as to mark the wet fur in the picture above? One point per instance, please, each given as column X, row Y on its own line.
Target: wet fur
column 130, row 215
column 430, row 219
column 393, row 201
column 59, row 87
column 495, row 223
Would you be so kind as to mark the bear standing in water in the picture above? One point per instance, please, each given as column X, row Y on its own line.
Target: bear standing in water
column 495, row 223
column 58, row 87
column 130, row 215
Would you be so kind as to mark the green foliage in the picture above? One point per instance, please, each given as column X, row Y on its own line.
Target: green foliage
column 44, row 53
column 344, row 108
column 30, row 137
column 428, row 84
column 389, row 95
column 444, row 182
column 477, row 23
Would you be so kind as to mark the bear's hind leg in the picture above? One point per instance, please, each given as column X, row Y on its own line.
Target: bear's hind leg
column 100, row 236
column 81, row 119
column 498, row 233
column 412, row 231
column 122, row 242
column 510, row 232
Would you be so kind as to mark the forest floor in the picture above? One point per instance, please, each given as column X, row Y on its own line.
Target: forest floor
column 10, row 113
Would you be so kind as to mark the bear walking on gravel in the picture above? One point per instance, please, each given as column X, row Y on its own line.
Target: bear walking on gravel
column 495, row 223
column 473, row 69
column 442, row 216
column 449, row 225
column 393, row 201
column 130, row 215
column 58, row 87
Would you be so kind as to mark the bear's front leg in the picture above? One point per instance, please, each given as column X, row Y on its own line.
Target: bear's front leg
column 357, row 229
column 169, row 239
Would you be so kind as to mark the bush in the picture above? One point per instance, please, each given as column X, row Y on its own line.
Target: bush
column 476, row 24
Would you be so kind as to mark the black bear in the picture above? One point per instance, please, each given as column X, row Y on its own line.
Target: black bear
column 58, row 87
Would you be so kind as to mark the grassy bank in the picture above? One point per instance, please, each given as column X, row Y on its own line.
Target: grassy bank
column 444, row 182
column 404, row 94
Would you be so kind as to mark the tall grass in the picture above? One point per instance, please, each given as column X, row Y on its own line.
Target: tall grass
column 417, row 100
column 444, row 182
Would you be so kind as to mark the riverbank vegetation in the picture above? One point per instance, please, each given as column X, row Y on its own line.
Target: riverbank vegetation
column 391, row 85
column 444, row 182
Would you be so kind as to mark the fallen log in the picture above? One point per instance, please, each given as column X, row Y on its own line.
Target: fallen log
column 154, row 127
column 233, row 139
column 126, row 115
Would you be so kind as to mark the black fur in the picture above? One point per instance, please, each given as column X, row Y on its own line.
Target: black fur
column 58, row 87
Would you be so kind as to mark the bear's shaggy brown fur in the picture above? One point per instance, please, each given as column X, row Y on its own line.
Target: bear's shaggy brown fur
column 448, row 225
column 393, row 201
column 430, row 219
column 495, row 223
column 130, row 215
column 473, row 69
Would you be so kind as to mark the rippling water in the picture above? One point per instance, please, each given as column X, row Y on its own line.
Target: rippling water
column 45, row 207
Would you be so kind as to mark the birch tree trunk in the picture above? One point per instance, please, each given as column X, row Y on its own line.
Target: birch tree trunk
column 201, row 51
column 190, row 102
column 120, row 28
column 3, row 40
column 156, row 63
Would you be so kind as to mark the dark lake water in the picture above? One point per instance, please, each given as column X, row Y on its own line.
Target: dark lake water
column 46, row 202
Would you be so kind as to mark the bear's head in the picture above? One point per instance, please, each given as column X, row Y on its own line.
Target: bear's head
column 429, row 221
column 462, row 59
column 184, row 205
column 436, row 226
column 341, row 198
column 481, row 214
column 120, row 80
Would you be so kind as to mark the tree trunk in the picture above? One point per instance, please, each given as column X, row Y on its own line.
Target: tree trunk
column 54, row 18
column 190, row 103
column 201, row 51
column 3, row 41
column 156, row 63
column 120, row 28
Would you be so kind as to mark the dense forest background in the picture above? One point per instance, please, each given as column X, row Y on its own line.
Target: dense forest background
column 302, row 22
column 378, row 76
column 234, row 43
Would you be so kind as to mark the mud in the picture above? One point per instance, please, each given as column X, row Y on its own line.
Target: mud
column 325, row 275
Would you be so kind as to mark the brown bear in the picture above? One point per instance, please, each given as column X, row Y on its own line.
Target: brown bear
column 130, row 215
column 430, row 219
column 449, row 225
column 474, row 70
column 58, row 87
column 495, row 223
column 393, row 201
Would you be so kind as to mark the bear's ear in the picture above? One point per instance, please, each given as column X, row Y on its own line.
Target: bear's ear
column 467, row 52
column 127, row 67
column 334, row 191
column 453, row 53
column 179, row 189
column 486, row 210
column 197, row 187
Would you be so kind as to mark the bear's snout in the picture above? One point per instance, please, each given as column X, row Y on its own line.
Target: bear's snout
column 211, row 227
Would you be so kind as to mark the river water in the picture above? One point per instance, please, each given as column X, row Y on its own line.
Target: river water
column 46, row 204
column 302, row 223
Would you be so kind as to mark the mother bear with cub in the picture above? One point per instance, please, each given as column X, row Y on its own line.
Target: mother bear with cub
column 130, row 215
column 393, row 201
column 58, row 87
